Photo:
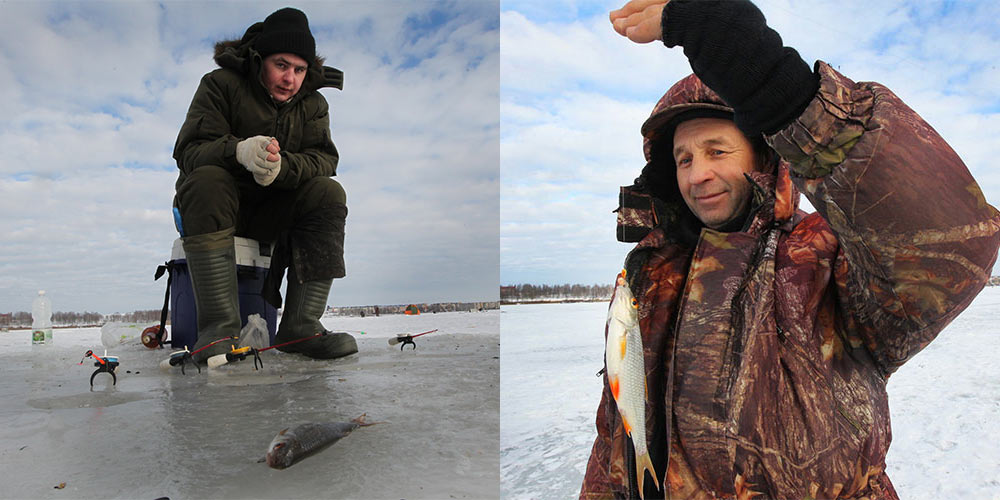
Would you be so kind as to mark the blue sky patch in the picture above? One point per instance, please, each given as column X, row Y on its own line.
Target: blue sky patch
column 559, row 11
column 425, row 24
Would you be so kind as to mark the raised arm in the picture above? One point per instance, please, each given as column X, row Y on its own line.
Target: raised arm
column 917, row 238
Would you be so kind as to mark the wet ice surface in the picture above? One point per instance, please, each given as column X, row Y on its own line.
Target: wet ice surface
column 944, row 404
column 162, row 433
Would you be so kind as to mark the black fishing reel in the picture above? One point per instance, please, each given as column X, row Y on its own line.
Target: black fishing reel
column 404, row 340
column 179, row 358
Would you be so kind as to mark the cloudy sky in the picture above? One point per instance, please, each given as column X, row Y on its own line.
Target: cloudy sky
column 481, row 142
column 574, row 93
column 94, row 93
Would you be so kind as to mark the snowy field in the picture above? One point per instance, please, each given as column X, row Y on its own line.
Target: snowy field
column 166, row 434
column 945, row 404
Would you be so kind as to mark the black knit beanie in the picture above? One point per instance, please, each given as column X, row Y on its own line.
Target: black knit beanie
column 286, row 30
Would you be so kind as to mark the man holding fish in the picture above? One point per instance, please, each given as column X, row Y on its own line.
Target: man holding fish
column 766, row 335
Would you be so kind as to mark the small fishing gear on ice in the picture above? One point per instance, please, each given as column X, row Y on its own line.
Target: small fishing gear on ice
column 105, row 364
column 185, row 356
column 407, row 339
column 241, row 353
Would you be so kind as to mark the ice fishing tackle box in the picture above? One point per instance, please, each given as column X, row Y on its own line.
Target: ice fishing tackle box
column 252, row 262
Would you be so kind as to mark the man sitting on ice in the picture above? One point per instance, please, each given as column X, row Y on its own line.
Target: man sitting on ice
column 255, row 159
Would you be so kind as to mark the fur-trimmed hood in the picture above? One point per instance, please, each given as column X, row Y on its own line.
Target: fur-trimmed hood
column 239, row 55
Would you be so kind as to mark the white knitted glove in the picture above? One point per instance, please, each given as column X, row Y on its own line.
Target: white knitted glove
column 251, row 152
column 266, row 175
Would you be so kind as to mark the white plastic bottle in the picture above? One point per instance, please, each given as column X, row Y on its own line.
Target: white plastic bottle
column 41, row 319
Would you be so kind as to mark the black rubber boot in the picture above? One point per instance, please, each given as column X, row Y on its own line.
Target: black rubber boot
column 304, row 305
column 211, row 260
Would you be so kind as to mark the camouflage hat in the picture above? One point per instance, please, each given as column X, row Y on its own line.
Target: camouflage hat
column 688, row 98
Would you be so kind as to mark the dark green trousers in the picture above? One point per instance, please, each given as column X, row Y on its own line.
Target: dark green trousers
column 309, row 219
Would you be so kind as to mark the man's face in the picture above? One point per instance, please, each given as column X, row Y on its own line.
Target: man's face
column 283, row 75
column 712, row 155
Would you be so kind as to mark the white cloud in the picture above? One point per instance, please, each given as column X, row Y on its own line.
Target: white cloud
column 96, row 91
column 587, row 53
column 574, row 94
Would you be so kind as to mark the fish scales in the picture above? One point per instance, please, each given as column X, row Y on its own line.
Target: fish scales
column 294, row 444
column 626, row 372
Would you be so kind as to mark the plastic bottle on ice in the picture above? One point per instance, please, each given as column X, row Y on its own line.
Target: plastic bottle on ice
column 41, row 319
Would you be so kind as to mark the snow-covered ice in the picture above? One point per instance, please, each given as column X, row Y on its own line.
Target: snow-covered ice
column 160, row 433
column 944, row 404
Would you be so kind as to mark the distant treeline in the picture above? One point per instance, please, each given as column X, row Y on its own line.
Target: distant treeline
column 528, row 292
column 61, row 318
column 422, row 307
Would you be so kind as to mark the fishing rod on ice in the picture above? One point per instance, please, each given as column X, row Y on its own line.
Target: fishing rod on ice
column 241, row 353
column 408, row 339
column 105, row 364
column 185, row 356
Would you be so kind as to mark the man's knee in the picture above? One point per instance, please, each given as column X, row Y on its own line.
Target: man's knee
column 208, row 181
column 208, row 200
column 323, row 192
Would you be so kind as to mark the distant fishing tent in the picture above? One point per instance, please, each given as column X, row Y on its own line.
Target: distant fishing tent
column 411, row 310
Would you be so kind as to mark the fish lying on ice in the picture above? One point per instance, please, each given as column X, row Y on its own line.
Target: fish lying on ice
column 296, row 443
column 627, row 373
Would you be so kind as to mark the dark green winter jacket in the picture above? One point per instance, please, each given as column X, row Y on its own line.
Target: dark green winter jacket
column 232, row 104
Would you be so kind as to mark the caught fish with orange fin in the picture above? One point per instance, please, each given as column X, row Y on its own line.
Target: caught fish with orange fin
column 294, row 444
column 627, row 373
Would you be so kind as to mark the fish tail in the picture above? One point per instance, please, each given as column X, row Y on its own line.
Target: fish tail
column 642, row 464
column 361, row 422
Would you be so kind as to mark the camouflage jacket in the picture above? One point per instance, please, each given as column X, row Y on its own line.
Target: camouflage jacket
column 770, row 348
column 232, row 104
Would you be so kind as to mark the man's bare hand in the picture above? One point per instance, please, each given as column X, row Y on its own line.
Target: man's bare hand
column 639, row 20
column 273, row 149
